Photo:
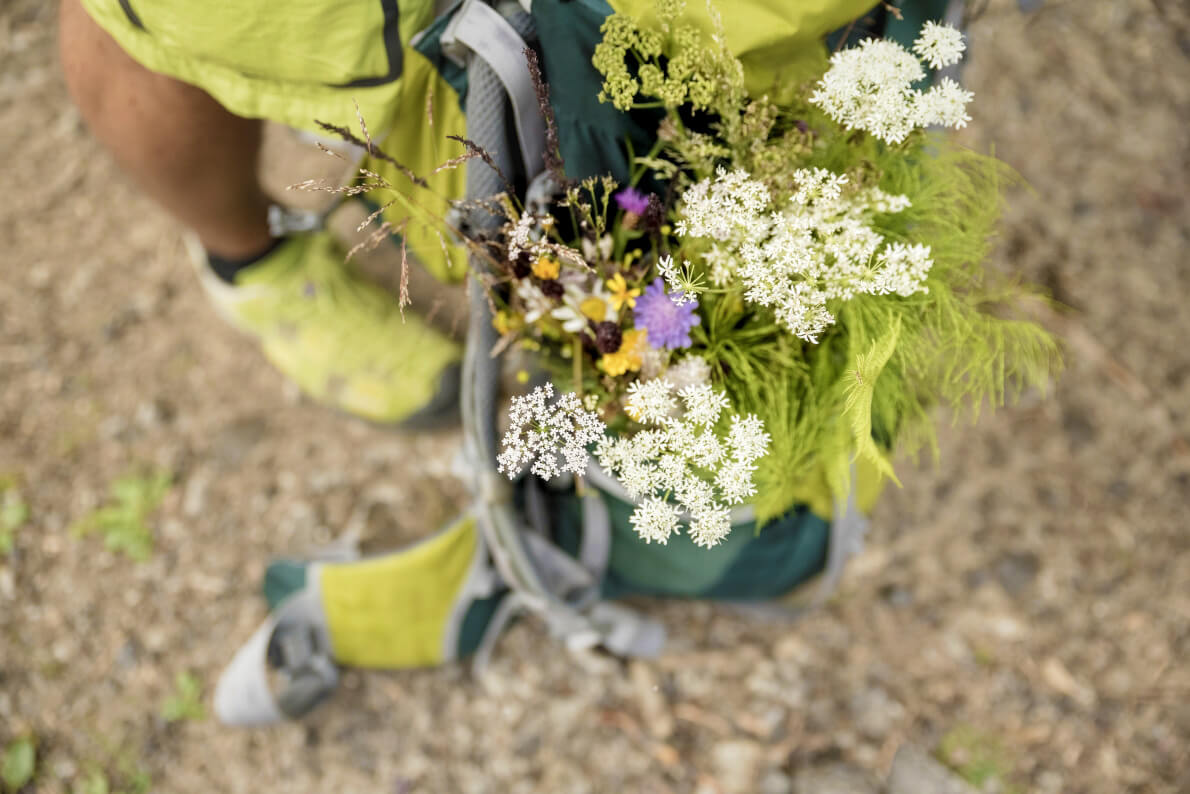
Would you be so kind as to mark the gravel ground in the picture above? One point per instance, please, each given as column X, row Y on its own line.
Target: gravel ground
column 1022, row 610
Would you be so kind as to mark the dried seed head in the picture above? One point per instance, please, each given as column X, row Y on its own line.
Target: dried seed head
column 522, row 264
column 608, row 337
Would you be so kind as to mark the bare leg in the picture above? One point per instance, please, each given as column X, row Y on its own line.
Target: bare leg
column 183, row 148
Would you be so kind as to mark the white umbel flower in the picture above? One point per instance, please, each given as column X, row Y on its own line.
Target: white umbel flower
column 553, row 438
column 710, row 526
column 655, row 520
column 820, row 247
column 945, row 105
column 818, row 185
column 650, row 402
column 902, row 269
column 729, row 208
column 870, row 87
column 939, row 45
column 680, row 461
column 747, row 438
column 682, row 288
column 734, row 481
column 690, row 371
column 703, row 404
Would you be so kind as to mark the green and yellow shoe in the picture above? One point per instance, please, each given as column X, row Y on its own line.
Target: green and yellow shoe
column 430, row 603
column 340, row 338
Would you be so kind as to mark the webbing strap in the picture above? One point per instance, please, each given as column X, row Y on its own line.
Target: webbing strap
column 596, row 548
column 848, row 526
column 284, row 221
column 481, row 29
column 294, row 641
column 544, row 581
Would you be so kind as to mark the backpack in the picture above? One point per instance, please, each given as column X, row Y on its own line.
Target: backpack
column 544, row 549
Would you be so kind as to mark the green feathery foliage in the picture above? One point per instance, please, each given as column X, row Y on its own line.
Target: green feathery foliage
column 123, row 522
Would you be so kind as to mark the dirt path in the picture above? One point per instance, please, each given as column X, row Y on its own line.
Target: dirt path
column 1024, row 608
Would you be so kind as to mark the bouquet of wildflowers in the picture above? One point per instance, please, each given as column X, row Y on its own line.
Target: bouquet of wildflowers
column 783, row 287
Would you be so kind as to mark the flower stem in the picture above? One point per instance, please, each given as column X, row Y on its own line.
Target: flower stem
column 577, row 364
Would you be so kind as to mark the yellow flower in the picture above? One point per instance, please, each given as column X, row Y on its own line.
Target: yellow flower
column 621, row 295
column 507, row 322
column 546, row 267
column 628, row 357
column 594, row 309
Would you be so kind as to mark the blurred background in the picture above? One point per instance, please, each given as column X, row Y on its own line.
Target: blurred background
column 1021, row 614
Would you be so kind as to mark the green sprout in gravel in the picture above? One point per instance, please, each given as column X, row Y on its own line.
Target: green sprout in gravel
column 977, row 758
column 18, row 764
column 94, row 783
column 117, row 769
column 97, row 782
column 123, row 520
column 13, row 514
column 186, row 702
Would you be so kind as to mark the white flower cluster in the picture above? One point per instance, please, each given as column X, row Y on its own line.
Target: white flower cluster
column 730, row 208
column 870, row 87
column 689, row 371
column 939, row 45
column 820, row 247
column 519, row 239
column 660, row 465
column 682, row 287
column 528, row 235
column 554, row 438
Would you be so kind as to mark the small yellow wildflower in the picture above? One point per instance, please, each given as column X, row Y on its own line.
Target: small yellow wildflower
column 506, row 322
column 621, row 295
column 546, row 267
column 628, row 357
column 594, row 309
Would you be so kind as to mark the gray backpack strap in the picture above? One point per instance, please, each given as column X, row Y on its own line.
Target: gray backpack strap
column 477, row 28
column 544, row 580
column 596, row 548
column 848, row 527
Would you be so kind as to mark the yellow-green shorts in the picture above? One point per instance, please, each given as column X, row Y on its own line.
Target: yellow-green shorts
column 305, row 61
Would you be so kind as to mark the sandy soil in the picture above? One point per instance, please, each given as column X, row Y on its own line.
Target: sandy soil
column 1023, row 609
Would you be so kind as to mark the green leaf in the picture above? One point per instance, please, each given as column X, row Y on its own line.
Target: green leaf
column 13, row 513
column 186, row 702
column 123, row 521
column 137, row 780
column 977, row 757
column 859, row 386
column 94, row 783
column 19, row 763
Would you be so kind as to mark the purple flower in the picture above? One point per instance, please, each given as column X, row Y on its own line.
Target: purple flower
column 668, row 324
column 632, row 200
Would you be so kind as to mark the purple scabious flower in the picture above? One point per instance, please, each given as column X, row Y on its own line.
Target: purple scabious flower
column 632, row 200
column 667, row 323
